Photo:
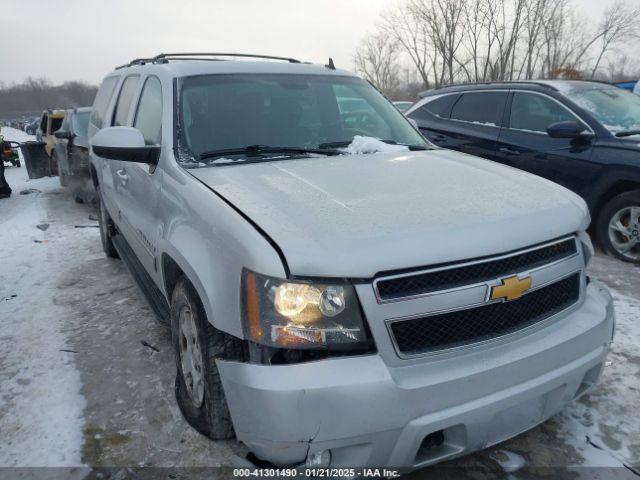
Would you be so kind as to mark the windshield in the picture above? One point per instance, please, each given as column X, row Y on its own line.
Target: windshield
column 81, row 123
column 226, row 112
column 618, row 110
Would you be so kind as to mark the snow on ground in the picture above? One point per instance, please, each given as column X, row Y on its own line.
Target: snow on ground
column 605, row 435
column 40, row 402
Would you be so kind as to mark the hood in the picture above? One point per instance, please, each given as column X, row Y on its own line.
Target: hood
column 354, row 216
column 631, row 142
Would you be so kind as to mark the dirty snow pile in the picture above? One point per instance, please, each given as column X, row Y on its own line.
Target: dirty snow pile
column 16, row 135
column 361, row 145
column 40, row 402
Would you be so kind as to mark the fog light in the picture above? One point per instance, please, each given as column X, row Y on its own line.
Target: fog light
column 319, row 459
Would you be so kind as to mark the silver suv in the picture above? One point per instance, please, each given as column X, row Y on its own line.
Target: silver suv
column 340, row 292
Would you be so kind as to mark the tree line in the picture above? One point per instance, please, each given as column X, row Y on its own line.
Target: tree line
column 32, row 96
column 423, row 44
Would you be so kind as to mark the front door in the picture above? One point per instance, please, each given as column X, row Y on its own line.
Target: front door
column 144, row 181
column 525, row 144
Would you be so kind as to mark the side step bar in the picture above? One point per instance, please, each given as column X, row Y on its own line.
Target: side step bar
column 152, row 293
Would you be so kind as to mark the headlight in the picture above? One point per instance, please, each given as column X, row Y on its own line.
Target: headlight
column 298, row 315
column 587, row 246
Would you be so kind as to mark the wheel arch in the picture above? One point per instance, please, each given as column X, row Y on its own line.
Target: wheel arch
column 173, row 267
column 619, row 186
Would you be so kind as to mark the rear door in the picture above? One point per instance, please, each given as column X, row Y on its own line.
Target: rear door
column 97, row 120
column 118, row 169
column 61, row 148
column 525, row 144
column 468, row 122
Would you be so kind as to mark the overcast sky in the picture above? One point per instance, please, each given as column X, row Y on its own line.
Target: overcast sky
column 85, row 39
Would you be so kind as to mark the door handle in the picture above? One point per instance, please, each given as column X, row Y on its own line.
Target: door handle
column 122, row 175
column 510, row 151
column 439, row 138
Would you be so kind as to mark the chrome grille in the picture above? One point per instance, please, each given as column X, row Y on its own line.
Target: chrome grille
column 411, row 285
column 429, row 333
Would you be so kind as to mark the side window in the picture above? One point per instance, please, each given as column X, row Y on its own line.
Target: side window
column 149, row 114
column 441, row 106
column 485, row 108
column 101, row 102
column 125, row 97
column 533, row 112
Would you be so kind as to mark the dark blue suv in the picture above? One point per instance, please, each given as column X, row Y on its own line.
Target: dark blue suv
column 582, row 135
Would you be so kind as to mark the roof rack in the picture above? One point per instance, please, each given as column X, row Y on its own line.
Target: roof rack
column 165, row 57
column 136, row 61
column 479, row 84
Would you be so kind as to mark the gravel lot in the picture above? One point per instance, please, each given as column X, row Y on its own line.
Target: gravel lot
column 87, row 376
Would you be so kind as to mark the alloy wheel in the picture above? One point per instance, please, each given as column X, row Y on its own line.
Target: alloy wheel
column 191, row 356
column 624, row 232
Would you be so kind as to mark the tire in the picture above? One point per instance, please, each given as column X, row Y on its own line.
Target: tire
column 106, row 228
column 622, row 240
column 202, row 403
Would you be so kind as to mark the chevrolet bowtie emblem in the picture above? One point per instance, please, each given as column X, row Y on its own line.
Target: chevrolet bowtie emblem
column 512, row 288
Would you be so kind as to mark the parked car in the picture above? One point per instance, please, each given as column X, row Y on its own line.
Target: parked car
column 335, row 299
column 71, row 152
column 50, row 122
column 582, row 135
column 403, row 106
column 32, row 127
column 628, row 85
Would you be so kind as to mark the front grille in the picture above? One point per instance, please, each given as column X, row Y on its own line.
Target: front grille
column 477, row 272
column 448, row 330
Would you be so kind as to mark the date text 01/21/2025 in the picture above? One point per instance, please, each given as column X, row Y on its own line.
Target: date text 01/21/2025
column 317, row 472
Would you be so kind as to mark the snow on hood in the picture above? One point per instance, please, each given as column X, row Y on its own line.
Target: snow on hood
column 358, row 215
column 361, row 145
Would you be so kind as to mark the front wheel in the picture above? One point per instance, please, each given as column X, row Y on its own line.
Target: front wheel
column 197, row 345
column 618, row 227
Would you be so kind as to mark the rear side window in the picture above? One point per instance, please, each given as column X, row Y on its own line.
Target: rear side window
column 483, row 108
column 123, row 107
column 102, row 100
column 535, row 113
column 441, row 106
column 149, row 114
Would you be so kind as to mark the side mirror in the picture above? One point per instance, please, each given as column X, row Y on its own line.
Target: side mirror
column 125, row 144
column 568, row 129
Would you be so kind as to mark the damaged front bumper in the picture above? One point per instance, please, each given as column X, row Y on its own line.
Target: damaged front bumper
column 368, row 413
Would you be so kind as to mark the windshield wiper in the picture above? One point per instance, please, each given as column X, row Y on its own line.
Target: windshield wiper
column 258, row 150
column 628, row 133
column 345, row 144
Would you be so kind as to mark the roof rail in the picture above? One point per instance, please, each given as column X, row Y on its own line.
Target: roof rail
column 136, row 61
column 479, row 84
column 165, row 57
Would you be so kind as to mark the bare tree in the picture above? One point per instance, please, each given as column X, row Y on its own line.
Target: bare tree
column 621, row 22
column 403, row 24
column 377, row 60
column 449, row 41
